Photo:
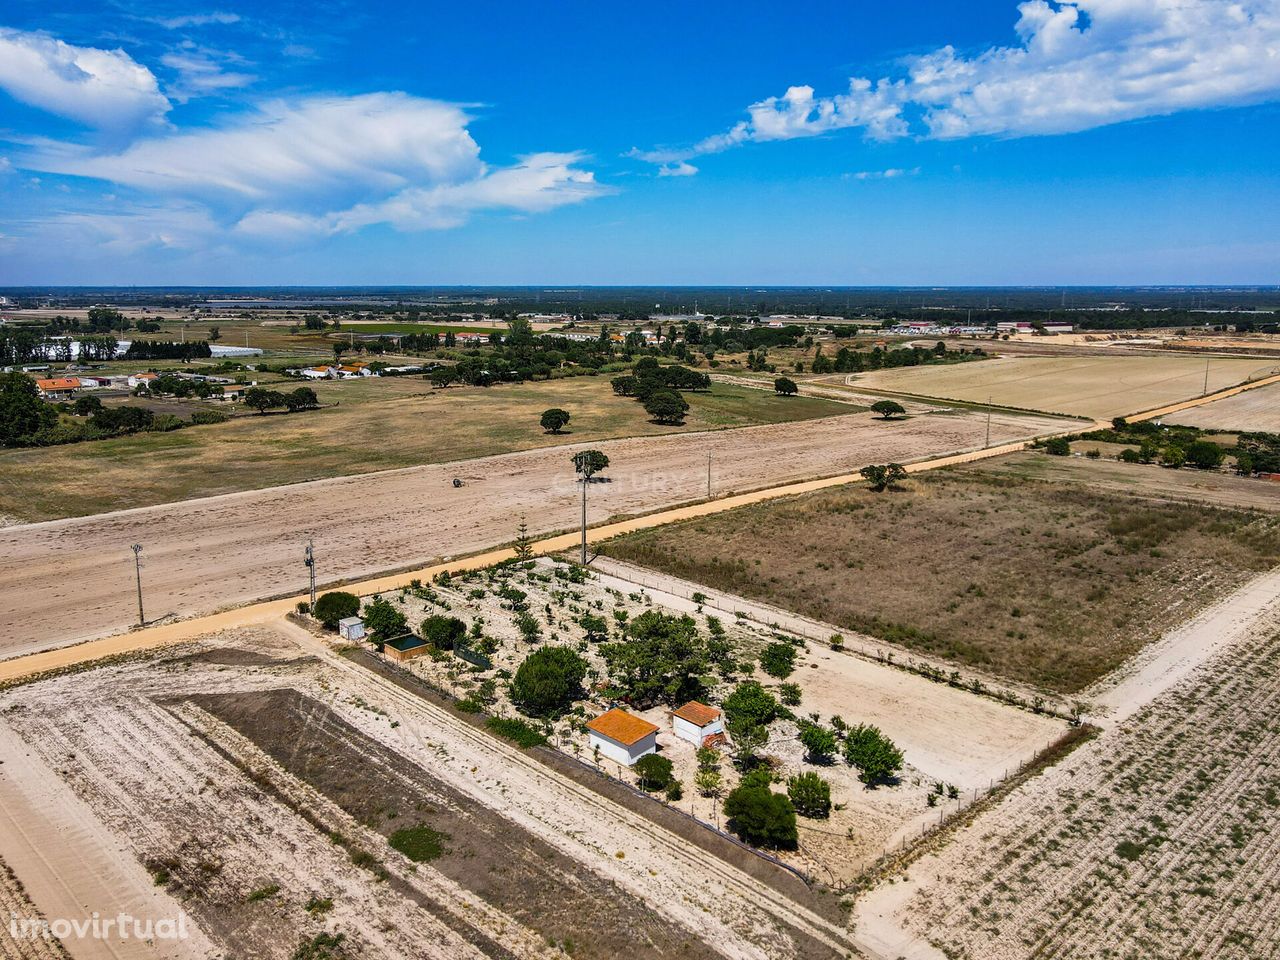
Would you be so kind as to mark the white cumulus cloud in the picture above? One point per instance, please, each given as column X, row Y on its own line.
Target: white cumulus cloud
column 1078, row 64
column 103, row 89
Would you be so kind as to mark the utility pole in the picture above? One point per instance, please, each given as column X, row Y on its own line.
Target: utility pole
column 309, row 560
column 708, row 474
column 582, row 462
column 1206, row 377
column 137, row 571
column 988, row 421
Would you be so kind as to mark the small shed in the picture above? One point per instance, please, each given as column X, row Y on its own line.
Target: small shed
column 622, row 737
column 696, row 722
column 405, row 648
column 351, row 628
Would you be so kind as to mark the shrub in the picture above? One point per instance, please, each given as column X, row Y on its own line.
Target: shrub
column 165, row 422
column 420, row 844
column 548, row 682
column 443, row 633
column 332, row 607
column 205, row 417
column 778, row 660
column 1057, row 446
column 384, row 620
column 785, row 387
column 520, row 732
column 750, row 705
column 762, row 817
column 1129, row 455
column 875, row 756
column 789, row 694
column 675, row 791
column 810, row 795
column 819, row 743
column 653, row 772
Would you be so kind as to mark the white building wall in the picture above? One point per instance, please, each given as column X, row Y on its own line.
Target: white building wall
column 619, row 753
column 694, row 733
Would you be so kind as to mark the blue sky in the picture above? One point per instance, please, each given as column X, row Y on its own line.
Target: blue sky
column 1103, row 141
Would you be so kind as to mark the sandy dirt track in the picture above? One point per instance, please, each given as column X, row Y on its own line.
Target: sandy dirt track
column 69, row 580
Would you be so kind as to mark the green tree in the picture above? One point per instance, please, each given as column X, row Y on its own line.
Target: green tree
column 595, row 628
column 663, row 660
column 785, row 387
column 708, row 782
column 653, row 772
column 524, row 542
column 888, row 409
column 548, row 682
column 22, row 412
column 624, row 386
column 263, row 400
column 589, row 462
column 819, row 743
column 810, row 795
column 778, row 660
column 443, row 633
column 666, row 406
column 335, row 606
column 554, row 420
column 303, row 398
column 1173, row 456
column 214, row 334
column 874, row 755
column 749, row 705
column 441, row 377
column 762, row 817
column 86, row 406
column 1058, row 447
column 383, row 620
column 1204, row 454
column 1244, row 463
column 883, row 476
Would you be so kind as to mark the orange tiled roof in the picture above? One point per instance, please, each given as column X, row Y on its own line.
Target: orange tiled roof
column 699, row 714
column 626, row 728
column 58, row 383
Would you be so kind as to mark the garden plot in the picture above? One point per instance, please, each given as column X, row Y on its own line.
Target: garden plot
column 301, row 806
column 955, row 743
column 1158, row 840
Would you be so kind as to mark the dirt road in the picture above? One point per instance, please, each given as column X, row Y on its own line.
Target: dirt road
column 70, row 580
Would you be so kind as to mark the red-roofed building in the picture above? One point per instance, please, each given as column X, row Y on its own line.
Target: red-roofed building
column 696, row 722
column 622, row 737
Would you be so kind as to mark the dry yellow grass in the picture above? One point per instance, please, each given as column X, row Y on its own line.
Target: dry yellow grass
column 376, row 424
column 1094, row 386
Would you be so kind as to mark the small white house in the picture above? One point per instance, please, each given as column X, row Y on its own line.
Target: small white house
column 696, row 722
column 622, row 737
column 351, row 628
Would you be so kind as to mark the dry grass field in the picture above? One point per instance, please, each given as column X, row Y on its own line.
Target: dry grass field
column 1254, row 411
column 370, row 424
column 1043, row 583
column 1147, row 481
column 296, row 805
column 1156, row 841
column 1092, row 386
column 72, row 579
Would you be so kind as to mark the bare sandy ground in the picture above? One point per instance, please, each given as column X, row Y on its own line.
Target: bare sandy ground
column 1258, row 410
column 892, row 921
column 69, row 580
column 120, row 739
column 71, row 866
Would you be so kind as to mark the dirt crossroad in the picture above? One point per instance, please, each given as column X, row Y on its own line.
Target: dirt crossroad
column 70, row 580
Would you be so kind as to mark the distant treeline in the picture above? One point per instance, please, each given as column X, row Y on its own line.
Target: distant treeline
column 168, row 350
column 1134, row 319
